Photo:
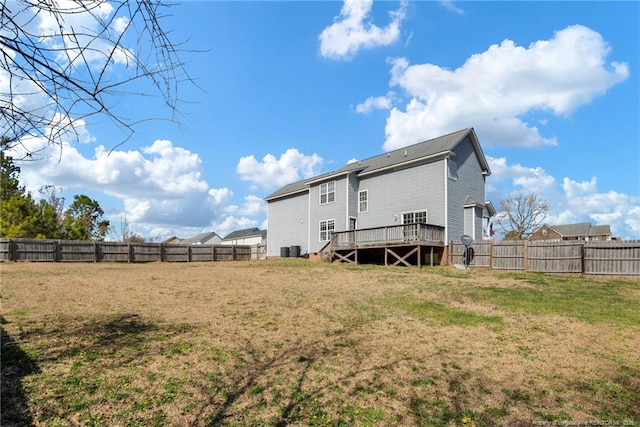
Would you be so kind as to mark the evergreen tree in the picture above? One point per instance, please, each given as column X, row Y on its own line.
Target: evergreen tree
column 18, row 211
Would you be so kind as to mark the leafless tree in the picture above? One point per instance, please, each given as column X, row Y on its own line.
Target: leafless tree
column 65, row 61
column 521, row 214
column 126, row 233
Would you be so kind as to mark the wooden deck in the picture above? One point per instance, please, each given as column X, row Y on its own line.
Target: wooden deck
column 409, row 244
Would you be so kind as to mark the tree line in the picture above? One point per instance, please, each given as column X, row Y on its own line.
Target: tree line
column 48, row 218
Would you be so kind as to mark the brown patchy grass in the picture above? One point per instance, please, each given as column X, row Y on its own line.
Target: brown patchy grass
column 289, row 342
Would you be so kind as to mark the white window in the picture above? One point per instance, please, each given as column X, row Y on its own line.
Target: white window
column 363, row 201
column 327, row 192
column 453, row 169
column 326, row 228
column 417, row 217
column 410, row 219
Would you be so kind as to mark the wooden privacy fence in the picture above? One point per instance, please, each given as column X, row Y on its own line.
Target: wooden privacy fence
column 89, row 251
column 606, row 257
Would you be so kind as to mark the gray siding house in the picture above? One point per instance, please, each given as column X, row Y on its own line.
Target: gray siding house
column 439, row 182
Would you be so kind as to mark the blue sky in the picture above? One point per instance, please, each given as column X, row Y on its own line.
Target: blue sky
column 289, row 90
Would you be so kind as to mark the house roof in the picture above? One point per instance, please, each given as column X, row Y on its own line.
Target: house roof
column 571, row 230
column 406, row 156
column 600, row 230
column 198, row 239
column 581, row 229
column 243, row 234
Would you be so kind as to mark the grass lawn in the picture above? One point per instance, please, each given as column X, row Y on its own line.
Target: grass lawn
column 288, row 342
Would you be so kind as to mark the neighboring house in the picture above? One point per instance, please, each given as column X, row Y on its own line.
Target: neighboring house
column 249, row 236
column 580, row 231
column 207, row 238
column 439, row 182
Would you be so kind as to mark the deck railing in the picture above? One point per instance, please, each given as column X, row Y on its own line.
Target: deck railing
column 394, row 234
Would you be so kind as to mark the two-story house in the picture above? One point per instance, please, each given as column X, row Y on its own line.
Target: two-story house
column 440, row 182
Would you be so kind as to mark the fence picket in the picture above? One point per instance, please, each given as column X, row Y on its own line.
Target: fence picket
column 604, row 257
column 91, row 251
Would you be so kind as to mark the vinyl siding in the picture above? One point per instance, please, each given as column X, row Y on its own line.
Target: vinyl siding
column 471, row 183
column 411, row 189
column 288, row 222
column 337, row 210
column 354, row 188
column 478, row 219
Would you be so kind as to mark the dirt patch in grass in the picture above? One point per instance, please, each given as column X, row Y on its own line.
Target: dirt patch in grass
column 295, row 343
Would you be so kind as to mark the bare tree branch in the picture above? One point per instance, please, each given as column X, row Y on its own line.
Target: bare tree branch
column 523, row 212
column 56, row 59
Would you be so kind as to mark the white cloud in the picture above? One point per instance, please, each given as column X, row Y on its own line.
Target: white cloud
column 376, row 103
column 226, row 225
column 159, row 185
column 120, row 24
column 449, row 4
column 353, row 30
column 492, row 90
column 272, row 172
column 79, row 37
column 253, row 206
column 570, row 201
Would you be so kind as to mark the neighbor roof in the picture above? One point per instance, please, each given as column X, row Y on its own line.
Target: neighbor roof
column 572, row 230
column 248, row 232
column 202, row 237
column 403, row 156
column 581, row 229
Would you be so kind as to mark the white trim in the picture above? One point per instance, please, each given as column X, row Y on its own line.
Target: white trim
column 329, row 177
column 363, row 191
column 410, row 162
column 446, row 201
column 414, row 211
column 327, row 193
column 349, row 224
column 346, row 206
column 320, row 229
column 308, row 223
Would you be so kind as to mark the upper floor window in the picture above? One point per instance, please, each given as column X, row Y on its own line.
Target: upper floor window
column 326, row 228
column 453, row 169
column 363, row 201
column 327, row 192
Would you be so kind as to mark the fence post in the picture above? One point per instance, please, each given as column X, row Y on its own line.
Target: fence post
column 55, row 251
column 233, row 253
column 491, row 254
column 95, row 251
column 10, row 254
column 188, row 253
column 525, row 259
column 128, row 252
column 161, row 254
